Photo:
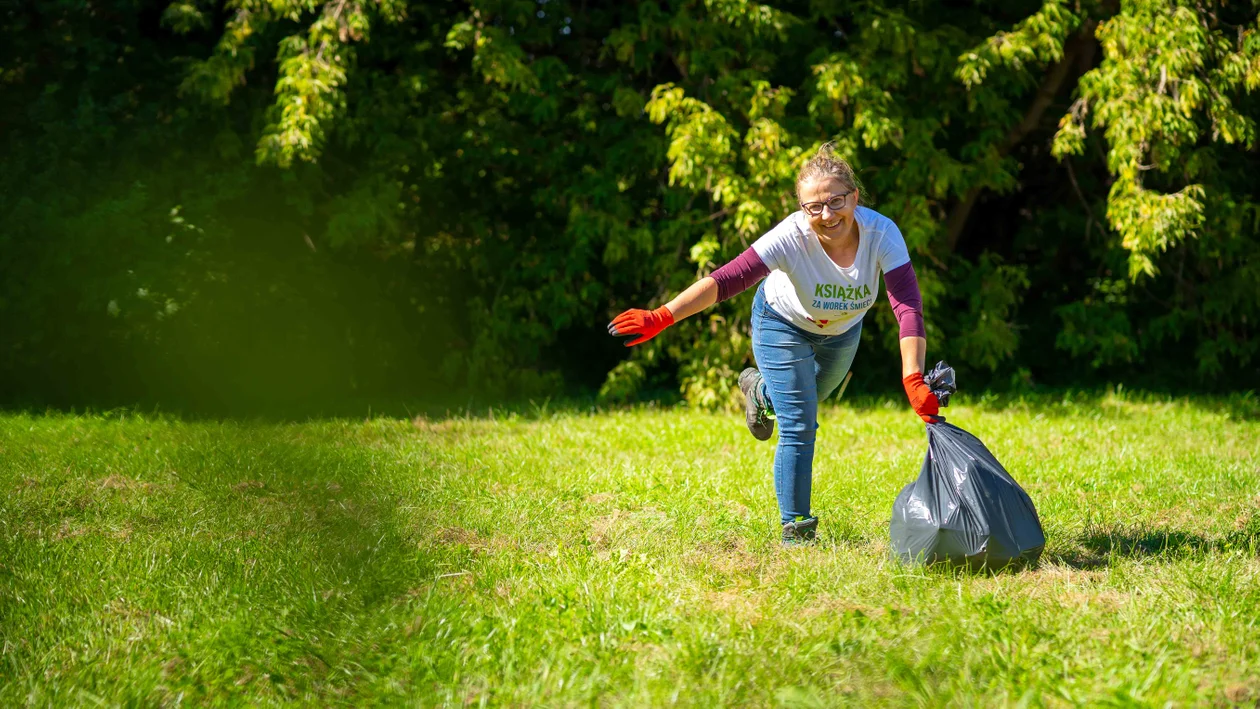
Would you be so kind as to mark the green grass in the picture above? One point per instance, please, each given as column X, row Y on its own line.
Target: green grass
column 622, row 559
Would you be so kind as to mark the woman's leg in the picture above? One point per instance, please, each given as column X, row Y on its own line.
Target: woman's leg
column 834, row 358
column 785, row 357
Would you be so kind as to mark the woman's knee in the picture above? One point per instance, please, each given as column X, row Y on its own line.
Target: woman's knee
column 797, row 428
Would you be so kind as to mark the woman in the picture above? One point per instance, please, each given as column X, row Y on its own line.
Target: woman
column 820, row 266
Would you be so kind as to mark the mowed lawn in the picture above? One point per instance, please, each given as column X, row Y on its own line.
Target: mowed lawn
column 624, row 558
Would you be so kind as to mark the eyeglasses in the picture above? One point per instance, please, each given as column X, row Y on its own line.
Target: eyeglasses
column 836, row 203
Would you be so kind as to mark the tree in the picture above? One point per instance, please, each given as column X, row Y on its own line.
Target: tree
column 529, row 168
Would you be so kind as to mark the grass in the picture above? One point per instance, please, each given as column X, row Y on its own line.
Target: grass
column 623, row 559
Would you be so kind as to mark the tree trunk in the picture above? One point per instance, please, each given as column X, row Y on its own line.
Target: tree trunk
column 1080, row 47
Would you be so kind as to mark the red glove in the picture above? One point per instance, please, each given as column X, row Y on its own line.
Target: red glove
column 645, row 323
column 925, row 403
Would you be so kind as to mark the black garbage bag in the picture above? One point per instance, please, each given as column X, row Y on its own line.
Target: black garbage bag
column 964, row 508
column 941, row 381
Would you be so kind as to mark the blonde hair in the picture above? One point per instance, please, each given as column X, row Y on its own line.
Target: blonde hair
column 826, row 163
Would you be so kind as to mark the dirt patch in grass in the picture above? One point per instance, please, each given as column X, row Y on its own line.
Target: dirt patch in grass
column 69, row 529
column 1047, row 579
column 1054, row 574
column 245, row 486
column 739, row 510
column 736, row 604
column 735, row 563
column 476, row 543
column 601, row 529
column 623, row 525
column 120, row 482
column 648, row 657
column 125, row 609
column 1063, row 585
column 447, row 429
column 248, row 674
column 457, row 535
column 598, row 498
column 730, row 557
column 461, row 581
column 498, row 489
column 1242, row 693
column 1101, row 599
column 504, row 589
column 414, row 626
column 830, row 606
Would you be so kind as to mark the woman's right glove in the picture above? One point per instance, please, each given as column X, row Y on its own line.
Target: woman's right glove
column 925, row 403
column 645, row 323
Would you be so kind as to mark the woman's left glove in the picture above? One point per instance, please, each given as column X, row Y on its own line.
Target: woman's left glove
column 645, row 323
column 925, row 403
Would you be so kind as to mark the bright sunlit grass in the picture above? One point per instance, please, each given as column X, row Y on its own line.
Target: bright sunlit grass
column 624, row 558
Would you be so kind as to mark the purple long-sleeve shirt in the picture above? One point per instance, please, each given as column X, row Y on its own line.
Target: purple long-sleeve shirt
column 901, row 283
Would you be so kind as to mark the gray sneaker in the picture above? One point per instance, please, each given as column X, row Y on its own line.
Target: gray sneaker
column 800, row 533
column 756, row 411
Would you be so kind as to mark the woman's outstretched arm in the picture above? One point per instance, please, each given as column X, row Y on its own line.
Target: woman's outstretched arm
column 729, row 280
column 697, row 297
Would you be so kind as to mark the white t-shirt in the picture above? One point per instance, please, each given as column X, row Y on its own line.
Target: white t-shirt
column 809, row 290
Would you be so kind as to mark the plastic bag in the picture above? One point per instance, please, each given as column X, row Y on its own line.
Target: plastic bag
column 964, row 508
column 941, row 381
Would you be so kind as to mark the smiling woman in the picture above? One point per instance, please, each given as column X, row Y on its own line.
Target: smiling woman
column 820, row 266
column 829, row 193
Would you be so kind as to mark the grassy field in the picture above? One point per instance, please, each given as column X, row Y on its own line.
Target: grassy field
column 622, row 559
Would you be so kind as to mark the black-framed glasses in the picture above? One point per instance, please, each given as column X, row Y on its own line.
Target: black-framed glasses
column 835, row 204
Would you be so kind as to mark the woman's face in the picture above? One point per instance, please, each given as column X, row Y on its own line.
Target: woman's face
column 829, row 192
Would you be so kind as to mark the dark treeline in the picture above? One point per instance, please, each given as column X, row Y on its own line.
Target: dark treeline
column 307, row 206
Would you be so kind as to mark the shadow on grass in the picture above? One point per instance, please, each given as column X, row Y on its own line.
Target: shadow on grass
column 1244, row 406
column 436, row 411
column 316, row 503
column 1097, row 547
column 1067, row 403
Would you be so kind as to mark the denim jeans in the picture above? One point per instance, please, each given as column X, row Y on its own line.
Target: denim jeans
column 799, row 369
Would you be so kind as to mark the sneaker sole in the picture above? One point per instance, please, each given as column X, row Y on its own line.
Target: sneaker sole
column 760, row 427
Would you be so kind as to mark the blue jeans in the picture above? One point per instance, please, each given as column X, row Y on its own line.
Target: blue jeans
column 799, row 369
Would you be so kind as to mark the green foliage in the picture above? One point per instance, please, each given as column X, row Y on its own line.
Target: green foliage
column 216, row 77
column 1034, row 42
column 1165, row 82
column 1097, row 325
column 995, row 290
column 185, row 17
column 622, row 383
column 510, row 174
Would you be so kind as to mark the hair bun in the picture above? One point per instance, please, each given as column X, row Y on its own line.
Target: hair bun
column 827, row 163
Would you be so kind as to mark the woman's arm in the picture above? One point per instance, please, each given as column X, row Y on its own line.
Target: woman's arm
column 697, row 297
column 907, row 305
column 737, row 276
column 913, row 355
column 731, row 279
column 647, row 324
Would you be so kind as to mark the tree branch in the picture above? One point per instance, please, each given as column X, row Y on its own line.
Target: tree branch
column 1080, row 44
column 1089, row 213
